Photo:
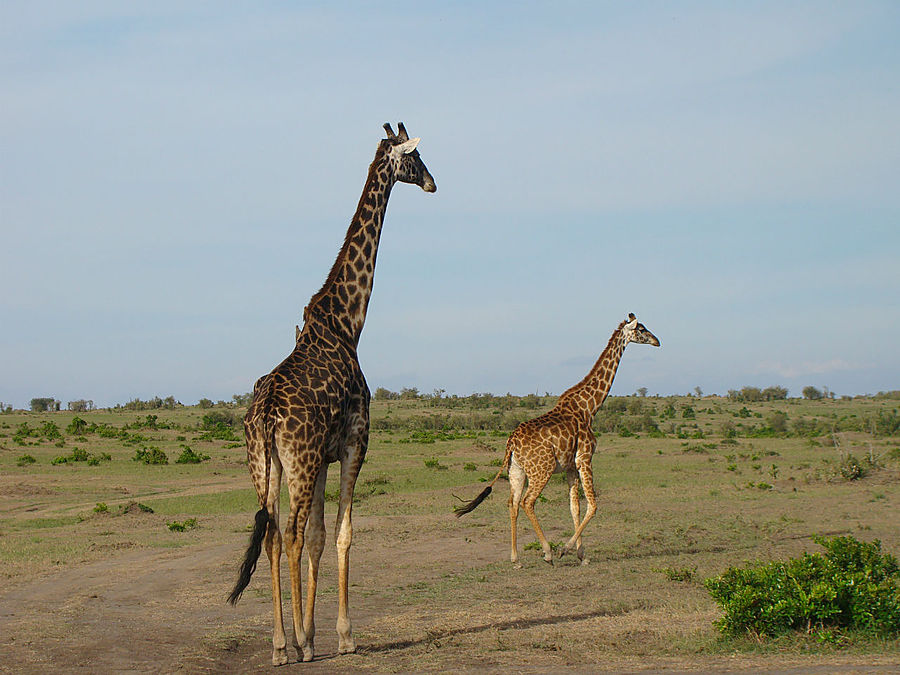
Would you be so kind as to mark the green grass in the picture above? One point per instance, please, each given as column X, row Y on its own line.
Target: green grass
column 671, row 512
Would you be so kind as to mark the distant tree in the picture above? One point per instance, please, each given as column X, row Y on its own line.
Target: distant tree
column 751, row 394
column 410, row 393
column 642, row 392
column 5, row 407
column 699, row 392
column 382, row 394
column 45, row 404
column 812, row 393
column 775, row 393
column 242, row 400
column 205, row 403
column 80, row 405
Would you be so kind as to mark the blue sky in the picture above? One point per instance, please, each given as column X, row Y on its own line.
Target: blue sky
column 177, row 179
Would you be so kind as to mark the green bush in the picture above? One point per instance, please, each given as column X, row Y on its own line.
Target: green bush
column 150, row 455
column 188, row 456
column 77, row 427
column 852, row 585
column 188, row 524
column 25, row 460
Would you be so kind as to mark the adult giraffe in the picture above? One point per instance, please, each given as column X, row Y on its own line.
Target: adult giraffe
column 313, row 409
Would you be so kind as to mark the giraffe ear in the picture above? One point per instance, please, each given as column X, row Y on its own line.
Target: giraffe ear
column 406, row 147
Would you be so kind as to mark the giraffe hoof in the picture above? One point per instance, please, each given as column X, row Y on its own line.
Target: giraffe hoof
column 306, row 653
column 279, row 657
column 347, row 646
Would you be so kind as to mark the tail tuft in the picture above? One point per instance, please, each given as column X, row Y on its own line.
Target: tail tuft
column 252, row 555
column 470, row 506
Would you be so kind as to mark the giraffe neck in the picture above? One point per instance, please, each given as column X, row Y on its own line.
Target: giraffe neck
column 343, row 300
column 588, row 395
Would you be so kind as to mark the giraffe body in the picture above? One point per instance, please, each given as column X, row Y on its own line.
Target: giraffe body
column 313, row 410
column 562, row 440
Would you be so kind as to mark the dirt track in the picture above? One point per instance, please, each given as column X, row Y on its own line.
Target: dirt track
column 153, row 611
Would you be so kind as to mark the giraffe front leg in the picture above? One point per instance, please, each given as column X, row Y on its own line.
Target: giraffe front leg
column 343, row 539
column 535, row 487
column 315, row 544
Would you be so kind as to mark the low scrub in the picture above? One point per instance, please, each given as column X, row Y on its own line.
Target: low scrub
column 851, row 585
column 188, row 456
column 150, row 455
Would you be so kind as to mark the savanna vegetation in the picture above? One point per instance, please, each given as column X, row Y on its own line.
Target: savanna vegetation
column 707, row 504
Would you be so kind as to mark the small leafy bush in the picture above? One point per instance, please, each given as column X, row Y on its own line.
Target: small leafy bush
column 25, row 460
column 188, row 524
column 852, row 585
column 77, row 427
column 150, row 455
column 101, row 508
column 188, row 456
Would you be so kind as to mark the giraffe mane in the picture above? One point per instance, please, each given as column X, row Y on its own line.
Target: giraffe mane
column 336, row 266
column 609, row 344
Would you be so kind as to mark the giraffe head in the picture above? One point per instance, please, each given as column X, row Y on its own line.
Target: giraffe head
column 408, row 166
column 633, row 331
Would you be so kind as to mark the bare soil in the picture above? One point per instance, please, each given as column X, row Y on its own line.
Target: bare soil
column 421, row 600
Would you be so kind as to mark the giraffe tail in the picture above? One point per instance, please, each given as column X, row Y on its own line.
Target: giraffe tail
column 468, row 507
column 257, row 415
column 251, row 556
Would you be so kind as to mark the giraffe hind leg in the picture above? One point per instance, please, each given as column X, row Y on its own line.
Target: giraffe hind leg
column 516, row 488
column 315, row 544
column 587, row 481
column 575, row 508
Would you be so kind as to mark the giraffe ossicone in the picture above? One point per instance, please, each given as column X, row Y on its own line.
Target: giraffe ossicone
column 562, row 440
column 313, row 409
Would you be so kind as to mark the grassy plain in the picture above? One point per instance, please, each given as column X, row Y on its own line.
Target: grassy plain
column 687, row 487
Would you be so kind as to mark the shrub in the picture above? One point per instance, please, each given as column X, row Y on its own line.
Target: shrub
column 25, row 460
column 851, row 468
column 188, row 456
column 150, row 455
column 77, row 427
column 188, row 524
column 852, row 585
column 778, row 422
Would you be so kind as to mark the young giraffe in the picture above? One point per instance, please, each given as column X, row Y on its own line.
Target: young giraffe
column 313, row 409
column 562, row 440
